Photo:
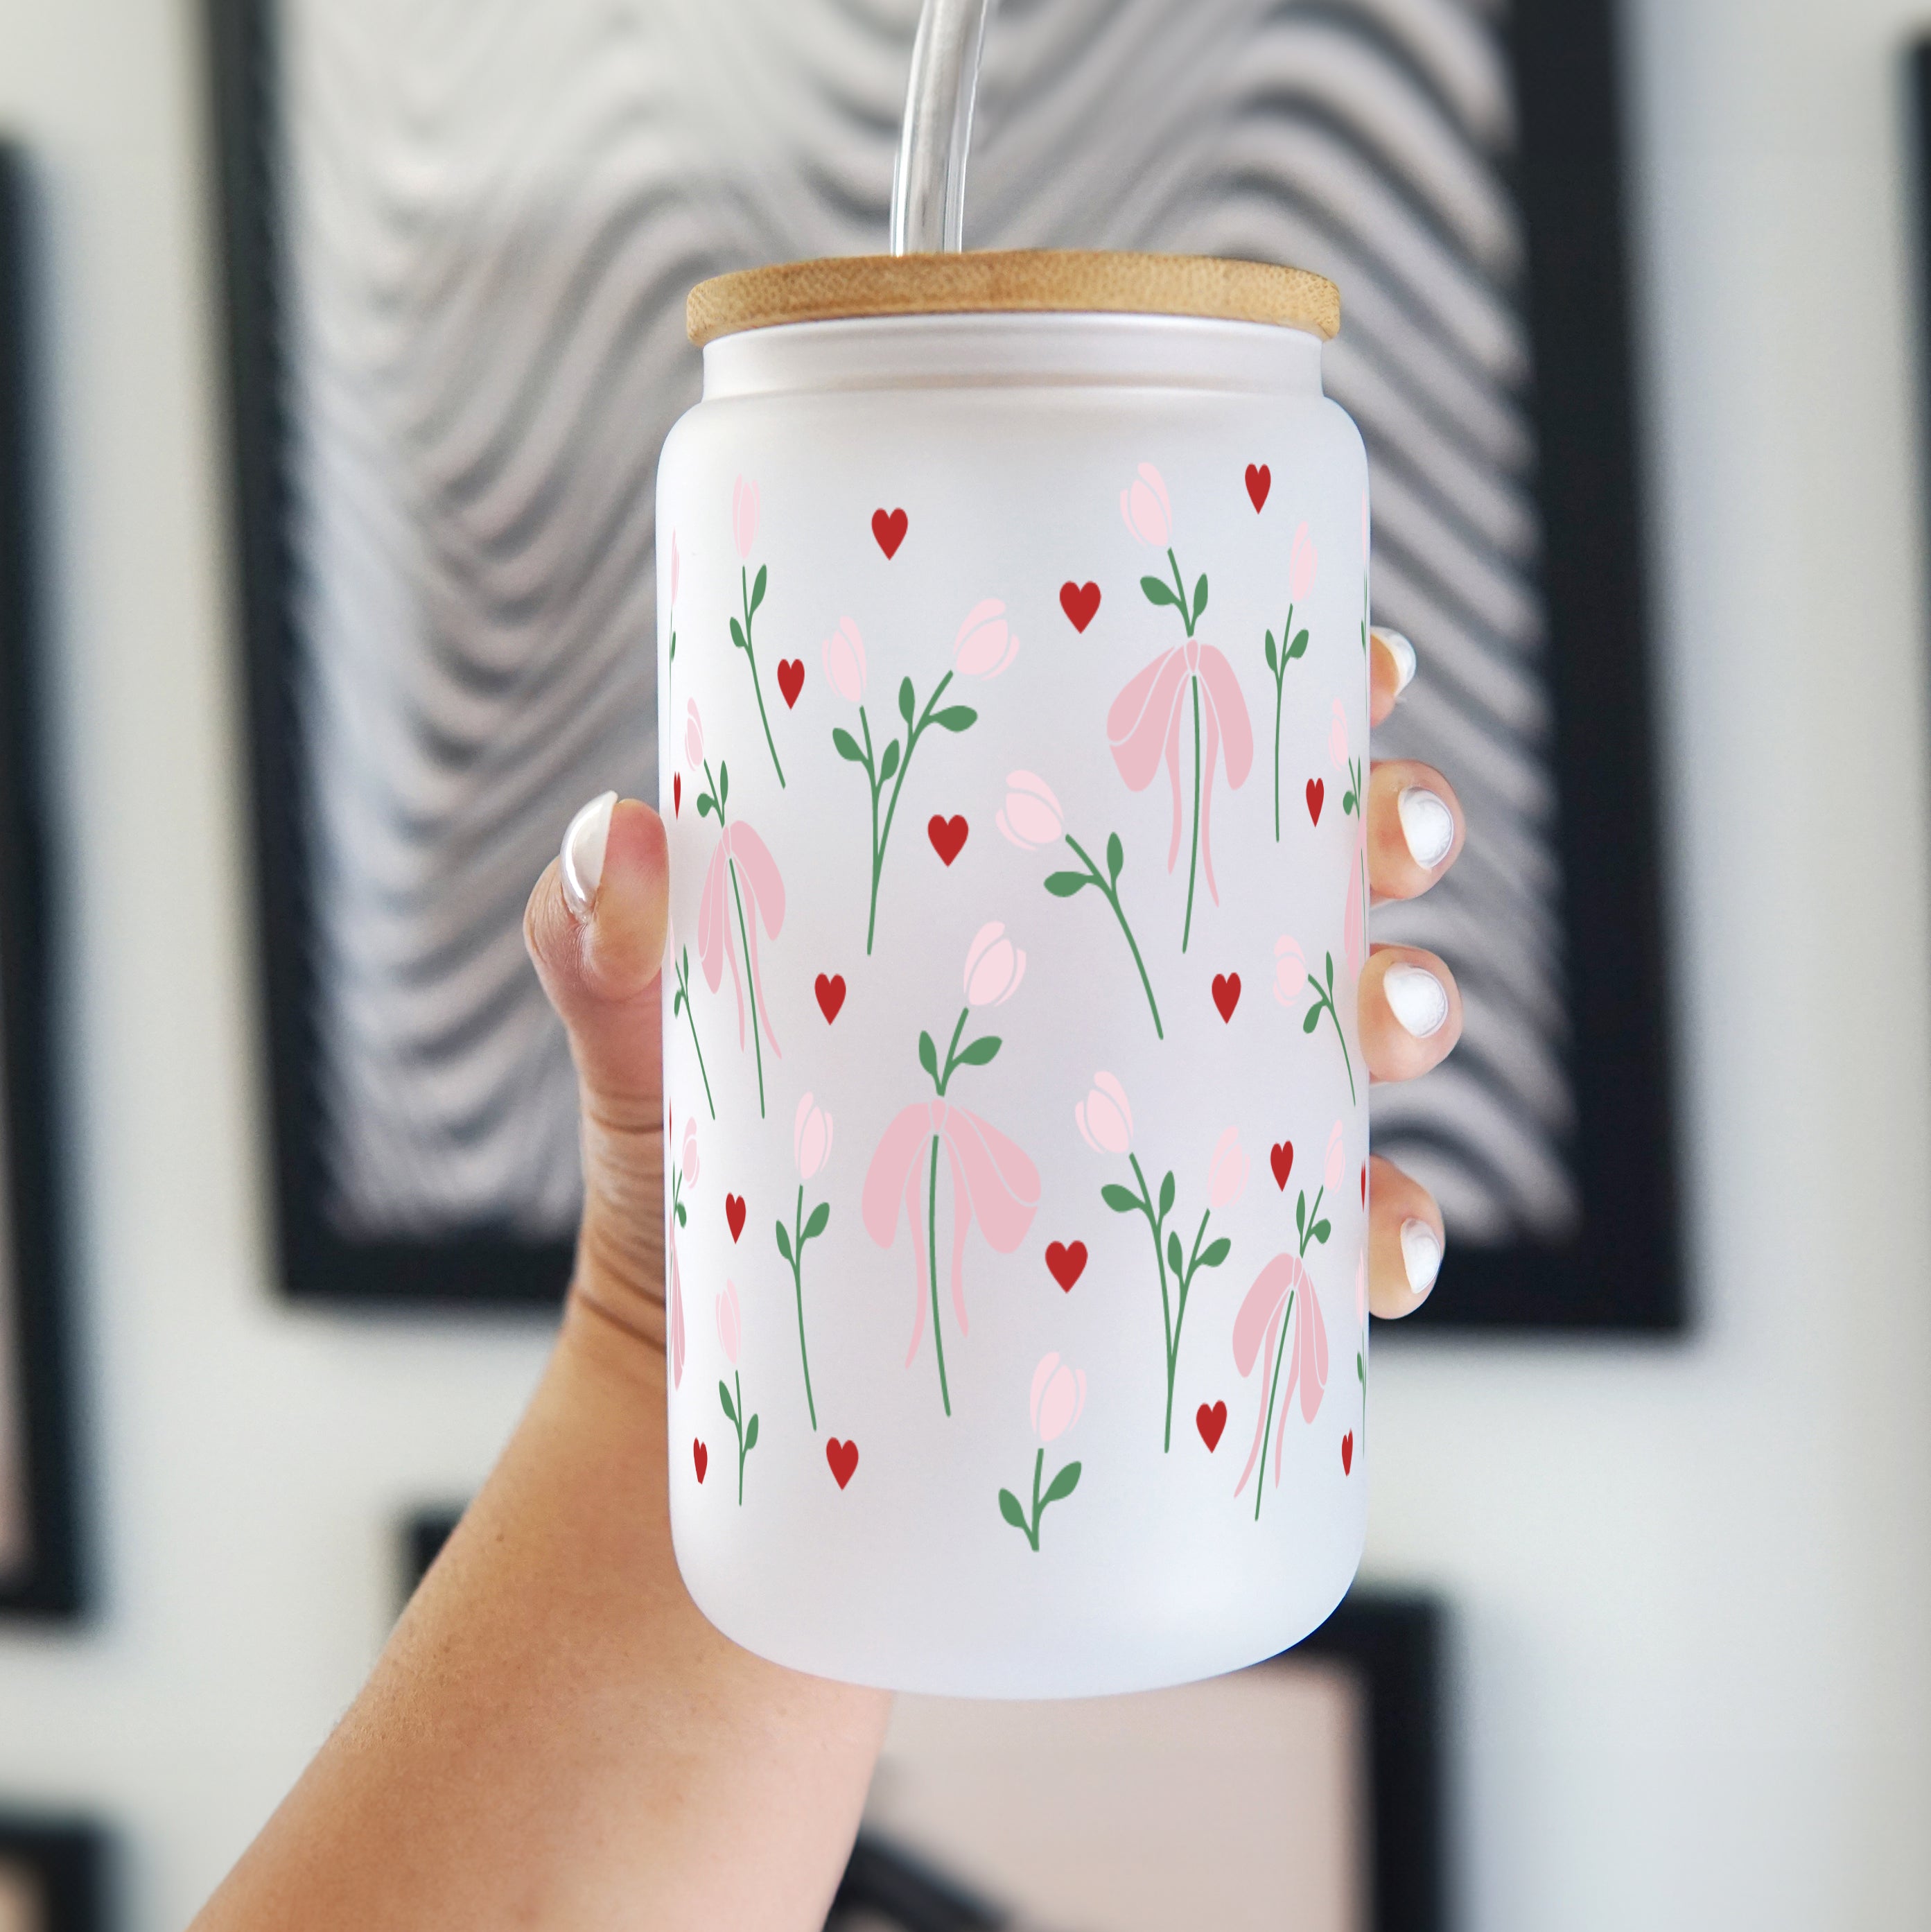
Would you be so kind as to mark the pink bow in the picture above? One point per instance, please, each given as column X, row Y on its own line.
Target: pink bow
column 677, row 1345
column 990, row 1177
column 763, row 893
column 1264, row 1308
column 1144, row 725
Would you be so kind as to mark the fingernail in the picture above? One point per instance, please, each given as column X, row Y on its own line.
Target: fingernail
column 1427, row 825
column 581, row 861
column 1402, row 652
column 1419, row 1000
column 1421, row 1256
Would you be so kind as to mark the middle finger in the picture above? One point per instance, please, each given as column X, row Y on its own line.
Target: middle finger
column 1414, row 828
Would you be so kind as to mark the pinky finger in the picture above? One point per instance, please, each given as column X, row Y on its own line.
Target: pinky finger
column 1405, row 1241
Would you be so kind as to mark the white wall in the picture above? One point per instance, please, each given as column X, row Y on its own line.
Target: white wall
column 1692, row 1581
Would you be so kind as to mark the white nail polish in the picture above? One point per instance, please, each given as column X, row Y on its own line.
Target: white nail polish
column 1417, row 998
column 1427, row 824
column 1403, row 653
column 581, row 861
column 1421, row 1256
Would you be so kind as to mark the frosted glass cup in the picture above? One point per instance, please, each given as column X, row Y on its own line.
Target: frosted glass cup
column 1013, row 691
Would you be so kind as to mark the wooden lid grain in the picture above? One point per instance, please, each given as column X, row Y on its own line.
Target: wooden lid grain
column 1013, row 281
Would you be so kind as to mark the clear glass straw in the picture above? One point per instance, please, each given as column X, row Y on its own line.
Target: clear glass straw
column 928, row 182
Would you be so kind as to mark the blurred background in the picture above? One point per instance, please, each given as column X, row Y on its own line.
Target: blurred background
column 1685, row 1578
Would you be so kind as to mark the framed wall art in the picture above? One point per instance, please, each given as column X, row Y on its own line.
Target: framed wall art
column 39, row 1573
column 53, row 1877
column 459, row 244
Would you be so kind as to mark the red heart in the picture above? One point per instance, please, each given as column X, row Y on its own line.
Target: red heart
column 734, row 1213
column 1317, row 790
column 831, row 995
column 1347, row 1453
column 701, row 1456
column 790, row 679
column 890, row 531
column 948, row 836
column 843, row 1457
column 1210, row 1422
column 1364, row 1183
column 1079, row 601
column 1280, row 1158
column 1259, row 482
column 1066, row 1262
column 676, row 793
column 1227, row 993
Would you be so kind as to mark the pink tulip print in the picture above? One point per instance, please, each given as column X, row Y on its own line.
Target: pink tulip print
column 744, row 536
column 730, row 1335
column 1032, row 820
column 1144, row 724
column 1282, row 1312
column 683, row 1175
column 992, row 1179
column 743, row 862
column 984, row 648
column 1058, row 1400
column 1105, row 1122
column 1302, row 562
column 811, row 1147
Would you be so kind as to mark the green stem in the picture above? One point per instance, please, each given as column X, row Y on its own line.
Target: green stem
column 690, row 1020
column 1193, row 858
column 1154, row 1220
column 932, row 1258
column 897, row 786
column 1322, row 999
column 1186, row 609
column 1180, row 1321
column 749, row 984
column 756, row 685
column 877, row 852
column 951, row 1052
column 738, row 1380
column 1267, row 1435
column 1038, row 1508
column 1119, row 912
column 798, row 1282
column 1280, row 684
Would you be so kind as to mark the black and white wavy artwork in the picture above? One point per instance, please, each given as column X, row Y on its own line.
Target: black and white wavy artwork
column 489, row 215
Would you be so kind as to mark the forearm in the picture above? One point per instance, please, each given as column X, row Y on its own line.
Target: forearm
column 554, row 1735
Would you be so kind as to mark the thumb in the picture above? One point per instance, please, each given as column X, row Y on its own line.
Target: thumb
column 595, row 927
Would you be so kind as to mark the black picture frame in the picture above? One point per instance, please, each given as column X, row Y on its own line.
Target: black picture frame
column 1391, row 1640
column 1620, row 1269
column 68, row 1861
column 32, row 1280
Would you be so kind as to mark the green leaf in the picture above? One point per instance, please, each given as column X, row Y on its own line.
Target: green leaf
column 757, row 589
column 1158, row 590
column 751, row 1435
column 1176, row 1260
column 1313, row 1019
column 888, row 763
column 724, row 1396
column 737, row 635
column 1167, row 1194
column 1122, row 1200
column 908, row 700
column 928, row 1055
column 683, row 1220
column 981, row 1053
column 1300, row 1214
column 1347, row 803
column 1200, row 597
column 1062, row 1486
column 1215, row 1252
column 1271, row 650
column 1322, row 1229
column 1298, row 649
column 1008, row 1508
column 784, row 1240
column 705, row 803
column 818, row 1219
column 846, row 745
column 1063, row 885
column 1330, row 973
column 1116, row 856
column 723, row 787
column 677, row 1003
column 955, row 717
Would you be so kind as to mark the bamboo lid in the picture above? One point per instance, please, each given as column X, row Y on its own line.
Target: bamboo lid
column 1012, row 281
